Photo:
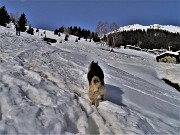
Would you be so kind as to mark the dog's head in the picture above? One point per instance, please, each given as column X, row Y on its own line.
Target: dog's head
column 92, row 65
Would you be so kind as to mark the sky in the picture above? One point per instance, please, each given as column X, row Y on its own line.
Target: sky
column 51, row 14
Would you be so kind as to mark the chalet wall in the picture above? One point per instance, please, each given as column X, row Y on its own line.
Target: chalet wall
column 168, row 59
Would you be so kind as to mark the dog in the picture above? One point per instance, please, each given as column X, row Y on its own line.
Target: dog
column 95, row 78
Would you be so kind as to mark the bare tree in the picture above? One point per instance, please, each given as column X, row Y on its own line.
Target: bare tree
column 14, row 17
column 99, row 28
column 113, row 28
column 102, row 28
column 106, row 28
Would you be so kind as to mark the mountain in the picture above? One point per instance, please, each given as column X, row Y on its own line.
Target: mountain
column 146, row 37
column 170, row 28
column 44, row 89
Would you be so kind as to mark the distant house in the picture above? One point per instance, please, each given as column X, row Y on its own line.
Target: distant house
column 132, row 47
column 156, row 51
column 151, row 51
column 169, row 57
column 159, row 51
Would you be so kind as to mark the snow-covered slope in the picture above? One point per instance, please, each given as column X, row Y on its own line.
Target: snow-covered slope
column 43, row 89
column 170, row 28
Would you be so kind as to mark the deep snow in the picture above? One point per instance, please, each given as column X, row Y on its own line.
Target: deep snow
column 43, row 88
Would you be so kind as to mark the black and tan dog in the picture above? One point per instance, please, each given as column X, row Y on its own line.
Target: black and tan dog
column 96, row 83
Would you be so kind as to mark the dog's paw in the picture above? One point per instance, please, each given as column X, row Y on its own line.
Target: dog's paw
column 91, row 102
column 102, row 98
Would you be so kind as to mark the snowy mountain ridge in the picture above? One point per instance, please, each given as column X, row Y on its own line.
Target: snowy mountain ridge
column 44, row 89
column 170, row 28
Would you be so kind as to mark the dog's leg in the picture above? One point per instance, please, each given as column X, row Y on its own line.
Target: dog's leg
column 97, row 102
column 91, row 101
column 102, row 97
column 102, row 93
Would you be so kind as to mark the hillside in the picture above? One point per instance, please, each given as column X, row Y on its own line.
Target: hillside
column 146, row 37
column 43, row 89
column 169, row 28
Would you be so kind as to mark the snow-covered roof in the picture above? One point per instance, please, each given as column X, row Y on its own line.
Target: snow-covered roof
column 133, row 46
column 169, row 52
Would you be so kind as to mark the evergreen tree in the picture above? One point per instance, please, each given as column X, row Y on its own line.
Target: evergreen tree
column 37, row 30
column 59, row 34
column 22, row 22
column 56, row 32
column 88, row 34
column 82, row 32
column 4, row 16
column 92, row 35
column 85, row 35
column 61, row 29
column 96, row 38
column 30, row 30
column 79, row 33
column 66, row 37
column 75, row 31
column 71, row 32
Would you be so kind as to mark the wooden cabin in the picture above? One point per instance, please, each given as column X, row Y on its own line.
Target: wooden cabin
column 169, row 57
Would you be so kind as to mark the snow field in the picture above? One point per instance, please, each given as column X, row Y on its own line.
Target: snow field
column 43, row 89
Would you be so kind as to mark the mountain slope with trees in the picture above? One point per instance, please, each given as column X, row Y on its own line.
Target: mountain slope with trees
column 79, row 32
column 149, row 39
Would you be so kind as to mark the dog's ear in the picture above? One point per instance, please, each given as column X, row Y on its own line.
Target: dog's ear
column 97, row 62
column 92, row 61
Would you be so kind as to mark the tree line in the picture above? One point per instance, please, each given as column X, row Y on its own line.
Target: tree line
column 149, row 39
column 145, row 39
column 79, row 32
column 20, row 22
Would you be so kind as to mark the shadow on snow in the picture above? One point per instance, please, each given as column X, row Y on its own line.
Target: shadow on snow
column 114, row 94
